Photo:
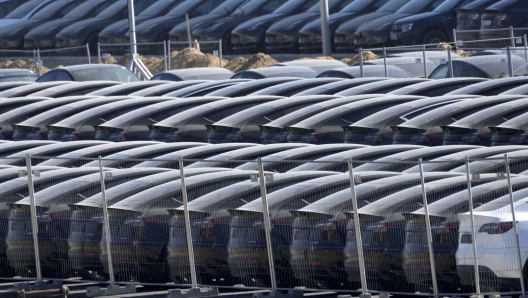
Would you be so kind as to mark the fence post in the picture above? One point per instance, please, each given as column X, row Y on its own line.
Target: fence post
column 357, row 227
column 512, row 37
column 88, row 53
column 361, row 72
column 510, row 64
column 429, row 233
column 450, row 61
column 38, row 62
column 424, row 63
column 455, row 40
column 525, row 43
column 99, row 52
column 33, row 212
column 106, row 224
column 220, row 51
column 385, row 62
column 165, row 54
column 514, row 222
column 473, row 236
column 267, row 224
column 194, row 283
column 169, row 54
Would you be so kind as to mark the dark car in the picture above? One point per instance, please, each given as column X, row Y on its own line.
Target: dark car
column 17, row 75
column 310, row 39
column 116, row 32
column 282, row 36
column 12, row 37
column 179, row 32
column 274, row 72
column 250, row 37
column 344, row 34
column 488, row 66
column 7, row 6
column 87, row 31
column 90, row 72
column 24, row 90
column 333, row 88
column 205, row 88
column 437, row 87
column 469, row 16
column 247, row 88
column 43, row 36
column 353, row 72
column 126, row 89
column 503, row 15
column 157, row 29
column 162, row 89
column 198, row 73
column 428, row 27
column 221, row 28
column 376, row 32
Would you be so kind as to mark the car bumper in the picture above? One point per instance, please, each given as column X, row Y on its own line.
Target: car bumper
column 344, row 44
column 403, row 38
column 279, row 42
column 35, row 43
column 63, row 42
column 326, row 266
column 81, row 259
column 310, row 43
column 9, row 44
column 104, row 39
column 242, row 42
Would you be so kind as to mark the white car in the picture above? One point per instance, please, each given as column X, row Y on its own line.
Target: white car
column 495, row 244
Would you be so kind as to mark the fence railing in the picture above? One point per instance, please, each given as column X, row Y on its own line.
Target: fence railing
column 515, row 35
column 413, row 227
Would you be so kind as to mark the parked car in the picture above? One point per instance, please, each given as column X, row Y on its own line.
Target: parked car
column 24, row 90
column 126, row 88
column 511, row 132
column 469, row 15
column 428, row 27
column 90, row 72
column 198, row 73
column 377, row 71
column 159, row 90
column 23, row 12
column 491, row 87
column 7, row 6
column 249, row 87
column 12, row 36
column 115, row 33
column 157, row 29
column 344, row 39
column 17, row 75
column 310, row 39
column 221, row 28
column 274, row 72
column 14, row 84
column 292, row 88
column 437, row 87
column 502, row 15
column 335, row 87
column 283, row 35
column 417, row 68
column 205, row 88
column 80, row 88
column 381, row 87
column 87, row 31
column 43, row 36
column 377, row 32
column 250, row 36
column 318, row 65
column 489, row 67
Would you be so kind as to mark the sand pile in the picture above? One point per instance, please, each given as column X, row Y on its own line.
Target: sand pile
column 191, row 57
column 315, row 58
column 258, row 61
column 235, row 64
column 367, row 55
column 19, row 64
column 462, row 53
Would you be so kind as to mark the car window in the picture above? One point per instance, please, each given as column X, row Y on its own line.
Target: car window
column 88, row 8
column 449, row 5
column 270, row 7
column 113, row 10
column 23, row 9
column 416, row 6
column 6, row 8
column 58, row 9
column 160, row 8
column 393, row 5
column 247, row 75
column 141, row 5
column 102, row 6
column 359, row 5
column 291, row 6
column 55, row 75
column 205, row 8
column 229, row 5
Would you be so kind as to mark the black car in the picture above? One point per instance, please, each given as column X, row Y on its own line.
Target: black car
column 87, row 31
column 90, row 72
column 376, row 32
column 197, row 73
column 115, row 33
column 503, row 15
column 157, row 29
column 12, row 37
column 221, row 28
column 428, row 27
column 282, row 36
column 249, row 37
column 310, row 39
column 43, row 36
column 468, row 16
column 8, row 6
column 344, row 34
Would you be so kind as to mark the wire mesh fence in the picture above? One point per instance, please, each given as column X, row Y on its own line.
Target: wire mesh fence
column 409, row 227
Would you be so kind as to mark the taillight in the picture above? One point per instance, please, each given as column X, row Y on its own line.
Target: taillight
column 496, row 228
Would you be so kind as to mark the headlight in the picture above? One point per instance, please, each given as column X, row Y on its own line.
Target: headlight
column 379, row 28
column 407, row 27
column 292, row 25
column 80, row 29
column 51, row 29
column 255, row 27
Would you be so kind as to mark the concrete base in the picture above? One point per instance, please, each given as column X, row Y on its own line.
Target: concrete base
column 189, row 293
column 367, row 295
column 289, row 294
column 37, row 286
column 381, row 295
column 110, row 290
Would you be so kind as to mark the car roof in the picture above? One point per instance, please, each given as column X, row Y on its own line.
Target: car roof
column 165, row 88
column 374, row 86
column 191, row 90
column 200, row 73
column 255, row 84
column 65, row 89
column 319, row 65
column 434, row 84
column 284, row 71
column 368, row 71
column 124, row 87
column 493, row 66
column 280, row 89
column 31, row 88
column 339, row 85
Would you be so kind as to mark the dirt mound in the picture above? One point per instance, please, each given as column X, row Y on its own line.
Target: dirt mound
column 315, row 58
column 191, row 57
column 258, row 61
column 235, row 64
column 153, row 64
column 447, row 46
column 22, row 64
column 110, row 60
column 367, row 55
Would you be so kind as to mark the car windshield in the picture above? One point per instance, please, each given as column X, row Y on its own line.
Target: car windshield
column 289, row 6
column 114, row 9
column 83, row 10
column 249, row 8
column 393, row 6
column 116, row 74
column 18, row 77
column 502, row 4
column 159, row 8
column 477, row 4
column 182, row 9
column 449, row 5
column 23, row 9
column 59, row 6
column 415, row 6
column 229, row 6
column 356, row 5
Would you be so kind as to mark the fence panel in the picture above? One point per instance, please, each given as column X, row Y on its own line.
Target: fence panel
column 54, row 58
column 206, row 47
column 153, row 55
column 18, row 59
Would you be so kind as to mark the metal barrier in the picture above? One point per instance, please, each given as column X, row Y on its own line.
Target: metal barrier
column 207, row 47
column 515, row 34
column 323, row 226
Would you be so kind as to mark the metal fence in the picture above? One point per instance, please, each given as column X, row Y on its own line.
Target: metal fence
column 415, row 227
column 515, row 34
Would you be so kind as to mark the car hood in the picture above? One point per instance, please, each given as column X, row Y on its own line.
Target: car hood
column 122, row 25
column 315, row 25
column 223, row 25
column 201, row 20
column 280, row 25
column 55, row 25
column 91, row 23
column 418, row 17
column 255, row 21
column 17, row 28
column 370, row 26
column 7, row 22
column 352, row 25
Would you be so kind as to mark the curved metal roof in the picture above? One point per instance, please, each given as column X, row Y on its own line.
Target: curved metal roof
column 165, row 88
column 360, row 154
column 244, row 154
column 479, row 87
column 455, row 159
column 201, row 73
column 65, row 89
column 283, row 88
column 189, row 90
column 140, row 152
column 32, row 88
column 126, row 87
column 235, row 90
column 125, row 120
column 335, row 87
column 392, row 161
column 132, row 187
column 353, row 72
column 424, row 86
column 306, row 112
column 409, row 64
column 318, row 65
column 318, row 120
column 376, row 86
column 284, row 71
column 195, row 152
column 80, row 118
column 10, row 147
column 179, row 120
